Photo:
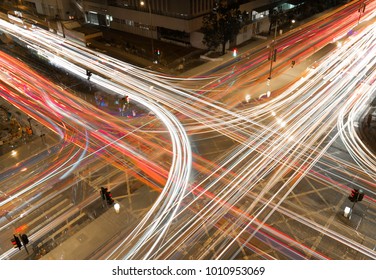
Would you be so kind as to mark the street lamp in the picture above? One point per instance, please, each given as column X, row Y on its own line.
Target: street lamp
column 292, row 23
column 273, row 53
column 117, row 208
column 142, row 3
column 248, row 98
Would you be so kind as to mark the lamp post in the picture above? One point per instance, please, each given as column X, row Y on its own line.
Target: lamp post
column 117, row 208
column 273, row 53
column 292, row 23
column 142, row 3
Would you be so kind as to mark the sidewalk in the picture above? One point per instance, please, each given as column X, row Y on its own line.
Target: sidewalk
column 40, row 139
column 107, row 230
column 174, row 59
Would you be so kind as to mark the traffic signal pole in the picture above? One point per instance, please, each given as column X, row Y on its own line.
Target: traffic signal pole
column 24, row 241
column 106, row 196
column 358, row 197
column 16, row 242
column 355, row 196
column 19, row 241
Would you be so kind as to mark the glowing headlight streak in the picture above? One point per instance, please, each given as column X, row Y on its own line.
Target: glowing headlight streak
column 275, row 132
column 186, row 157
column 324, row 128
column 179, row 174
column 289, row 180
column 350, row 115
column 56, row 108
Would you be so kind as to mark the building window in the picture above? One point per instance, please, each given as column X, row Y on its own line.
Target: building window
column 129, row 22
column 257, row 16
column 92, row 18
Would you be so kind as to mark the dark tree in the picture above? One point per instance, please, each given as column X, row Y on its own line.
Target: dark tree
column 222, row 24
column 210, row 29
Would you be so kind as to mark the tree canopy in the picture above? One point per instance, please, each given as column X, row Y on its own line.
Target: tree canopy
column 222, row 24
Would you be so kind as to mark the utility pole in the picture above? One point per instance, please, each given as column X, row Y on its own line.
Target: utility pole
column 355, row 196
column 273, row 53
column 142, row 3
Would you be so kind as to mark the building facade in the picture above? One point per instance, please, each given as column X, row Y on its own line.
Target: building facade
column 52, row 9
column 170, row 20
column 177, row 21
